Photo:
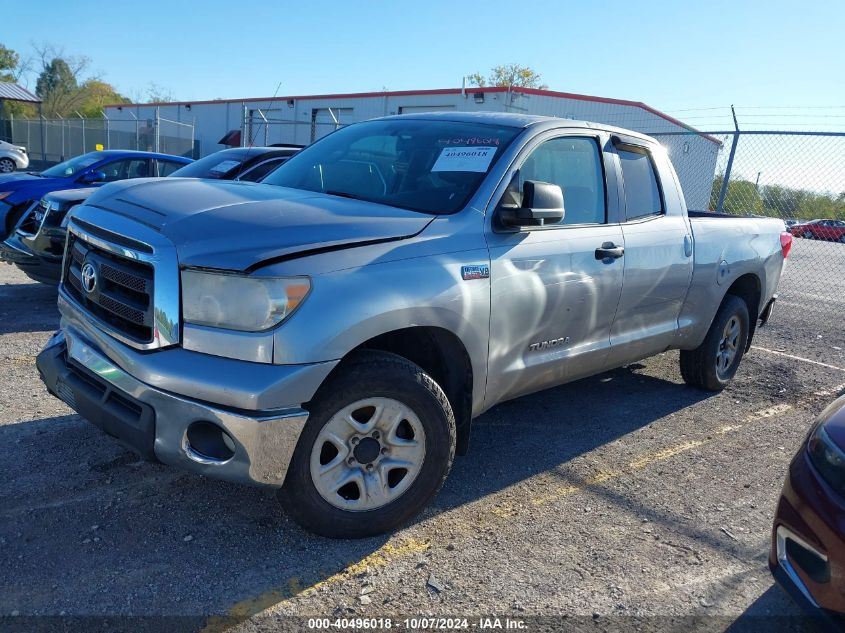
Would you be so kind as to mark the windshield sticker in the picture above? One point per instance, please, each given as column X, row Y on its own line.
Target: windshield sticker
column 472, row 140
column 226, row 165
column 475, row 159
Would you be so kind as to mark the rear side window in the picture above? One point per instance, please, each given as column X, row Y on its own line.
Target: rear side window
column 642, row 193
column 167, row 167
column 259, row 171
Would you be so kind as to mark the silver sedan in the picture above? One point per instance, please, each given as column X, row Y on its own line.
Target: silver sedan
column 12, row 157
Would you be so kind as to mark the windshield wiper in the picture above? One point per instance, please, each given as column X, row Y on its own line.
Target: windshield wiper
column 343, row 194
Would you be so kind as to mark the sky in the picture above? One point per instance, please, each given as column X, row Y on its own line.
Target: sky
column 781, row 63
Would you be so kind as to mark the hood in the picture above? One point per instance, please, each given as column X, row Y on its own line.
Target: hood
column 240, row 226
column 70, row 196
column 19, row 179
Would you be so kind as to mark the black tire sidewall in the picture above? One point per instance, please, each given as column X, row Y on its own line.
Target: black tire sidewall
column 732, row 306
column 413, row 388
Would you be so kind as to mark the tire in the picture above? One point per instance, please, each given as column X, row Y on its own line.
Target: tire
column 842, row 238
column 808, row 235
column 7, row 166
column 376, row 379
column 705, row 366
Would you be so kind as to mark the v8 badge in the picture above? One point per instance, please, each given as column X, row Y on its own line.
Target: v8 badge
column 476, row 271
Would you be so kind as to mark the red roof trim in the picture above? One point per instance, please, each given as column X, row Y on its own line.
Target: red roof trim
column 439, row 91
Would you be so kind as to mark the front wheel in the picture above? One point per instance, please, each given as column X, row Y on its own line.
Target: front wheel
column 378, row 444
column 712, row 364
column 808, row 235
column 7, row 166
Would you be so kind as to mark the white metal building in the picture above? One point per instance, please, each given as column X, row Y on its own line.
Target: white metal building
column 303, row 119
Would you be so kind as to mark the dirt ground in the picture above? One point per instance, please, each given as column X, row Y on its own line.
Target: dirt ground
column 626, row 494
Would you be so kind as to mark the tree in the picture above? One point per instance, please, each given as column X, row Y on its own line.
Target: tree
column 741, row 198
column 9, row 62
column 158, row 94
column 508, row 76
column 97, row 94
column 58, row 82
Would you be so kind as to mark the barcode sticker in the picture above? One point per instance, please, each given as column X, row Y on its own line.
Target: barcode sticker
column 465, row 158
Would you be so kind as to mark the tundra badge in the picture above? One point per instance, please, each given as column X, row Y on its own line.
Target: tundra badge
column 555, row 342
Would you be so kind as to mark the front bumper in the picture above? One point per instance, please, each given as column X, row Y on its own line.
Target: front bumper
column 807, row 554
column 155, row 423
column 42, row 268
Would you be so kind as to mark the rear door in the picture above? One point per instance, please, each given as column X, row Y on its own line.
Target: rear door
column 552, row 297
column 658, row 253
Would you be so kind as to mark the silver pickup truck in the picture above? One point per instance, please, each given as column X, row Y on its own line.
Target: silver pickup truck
column 332, row 333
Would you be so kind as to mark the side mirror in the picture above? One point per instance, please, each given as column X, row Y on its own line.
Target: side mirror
column 542, row 204
column 93, row 176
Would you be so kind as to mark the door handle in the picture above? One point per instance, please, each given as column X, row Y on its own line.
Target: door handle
column 609, row 250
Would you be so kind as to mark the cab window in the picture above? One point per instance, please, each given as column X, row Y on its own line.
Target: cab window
column 574, row 164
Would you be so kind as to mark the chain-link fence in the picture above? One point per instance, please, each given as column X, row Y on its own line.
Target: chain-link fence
column 57, row 139
column 272, row 126
column 798, row 177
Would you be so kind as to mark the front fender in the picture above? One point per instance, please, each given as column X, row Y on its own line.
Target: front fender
column 349, row 307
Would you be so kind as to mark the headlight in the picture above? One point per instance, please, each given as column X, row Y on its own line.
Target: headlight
column 828, row 458
column 5, row 194
column 238, row 302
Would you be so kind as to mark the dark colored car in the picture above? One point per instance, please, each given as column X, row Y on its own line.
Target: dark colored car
column 807, row 555
column 20, row 190
column 250, row 164
column 37, row 243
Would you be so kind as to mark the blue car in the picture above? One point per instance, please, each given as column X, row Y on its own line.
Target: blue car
column 20, row 190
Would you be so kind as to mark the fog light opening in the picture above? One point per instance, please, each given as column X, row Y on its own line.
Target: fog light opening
column 205, row 442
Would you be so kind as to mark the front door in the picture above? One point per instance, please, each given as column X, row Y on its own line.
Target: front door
column 553, row 297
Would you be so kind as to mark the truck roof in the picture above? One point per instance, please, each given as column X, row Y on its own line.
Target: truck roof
column 512, row 119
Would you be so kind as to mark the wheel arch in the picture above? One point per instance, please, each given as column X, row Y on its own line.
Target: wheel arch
column 442, row 355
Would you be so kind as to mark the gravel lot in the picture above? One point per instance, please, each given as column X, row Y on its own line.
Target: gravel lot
column 624, row 494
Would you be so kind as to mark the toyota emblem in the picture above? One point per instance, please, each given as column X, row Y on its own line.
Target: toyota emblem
column 89, row 277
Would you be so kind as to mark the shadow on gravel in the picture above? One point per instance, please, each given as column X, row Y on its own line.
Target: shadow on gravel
column 28, row 308
column 88, row 529
column 536, row 433
column 772, row 612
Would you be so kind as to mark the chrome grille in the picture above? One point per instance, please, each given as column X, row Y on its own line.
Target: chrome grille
column 122, row 295
column 30, row 223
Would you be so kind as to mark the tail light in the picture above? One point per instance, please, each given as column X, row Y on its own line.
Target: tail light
column 785, row 243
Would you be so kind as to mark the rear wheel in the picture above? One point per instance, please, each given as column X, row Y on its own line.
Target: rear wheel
column 712, row 364
column 808, row 235
column 378, row 444
column 7, row 166
column 842, row 238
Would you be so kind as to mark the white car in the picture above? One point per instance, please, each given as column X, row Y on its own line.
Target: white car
column 12, row 157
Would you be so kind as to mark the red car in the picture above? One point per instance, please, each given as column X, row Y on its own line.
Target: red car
column 820, row 230
column 807, row 555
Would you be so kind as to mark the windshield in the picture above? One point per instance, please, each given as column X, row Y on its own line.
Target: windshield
column 421, row 165
column 73, row 166
column 216, row 165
